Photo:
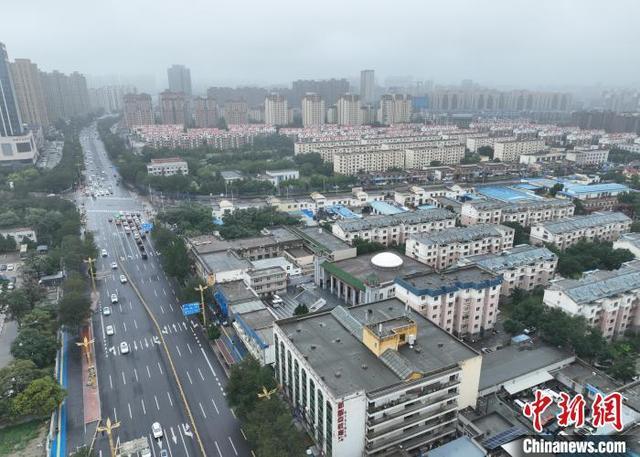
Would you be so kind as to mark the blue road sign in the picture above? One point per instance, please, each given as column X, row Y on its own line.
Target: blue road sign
column 147, row 226
column 190, row 308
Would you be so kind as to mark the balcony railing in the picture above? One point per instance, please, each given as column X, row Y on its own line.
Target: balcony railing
column 409, row 397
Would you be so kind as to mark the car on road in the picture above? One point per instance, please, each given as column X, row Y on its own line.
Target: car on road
column 124, row 348
column 123, row 279
column 106, row 311
column 104, row 253
column 144, row 255
column 109, row 330
column 156, row 429
column 10, row 267
column 114, row 299
column 11, row 286
column 3, row 267
column 114, row 265
column 164, row 453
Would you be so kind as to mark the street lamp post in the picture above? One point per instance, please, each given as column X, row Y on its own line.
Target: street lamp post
column 109, row 427
column 91, row 261
column 201, row 289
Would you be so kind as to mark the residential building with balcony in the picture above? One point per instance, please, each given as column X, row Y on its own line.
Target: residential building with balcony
column 374, row 378
column 168, row 167
column 604, row 226
column 608, row 300
column 524, row 267
column 267, row 281
column 461, row 300
column 443, row 249
column 511, row 150
column 394, row 229
column 588, row 157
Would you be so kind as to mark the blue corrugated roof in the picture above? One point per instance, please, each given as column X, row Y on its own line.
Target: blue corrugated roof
column 575, row 189
column 385, row 208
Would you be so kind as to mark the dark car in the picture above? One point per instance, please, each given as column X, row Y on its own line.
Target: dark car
column 144, row 255
column 141, row 246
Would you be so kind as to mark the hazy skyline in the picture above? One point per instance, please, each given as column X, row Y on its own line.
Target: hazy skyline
column 495, row 43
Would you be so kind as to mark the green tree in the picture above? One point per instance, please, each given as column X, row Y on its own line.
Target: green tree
column 580, row 209
column 521, row 234
column 366, row 246
column 17, row 303
column 39, row 347
column 624, row 361
column 213, row 332
column 39, row 399
column 74, row 310
column 556, row 188
column 270, row 428
column 300, row 310
column 246, row 380
column 14, row 379
column 486, row 151
column 513, row 327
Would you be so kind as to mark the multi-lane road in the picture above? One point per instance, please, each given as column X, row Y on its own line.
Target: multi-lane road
column 170, row 375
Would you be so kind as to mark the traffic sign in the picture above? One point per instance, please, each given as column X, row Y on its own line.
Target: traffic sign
column 147, row 226
column 190, row 308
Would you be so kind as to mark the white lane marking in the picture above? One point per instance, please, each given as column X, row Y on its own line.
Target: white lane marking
column 218, row 448
column 130, row 415
column 161, row 309
column 189, row 376
column 243, row 435
column 135, row 372
column 155, row 292
column 215, row 406
column 189, row 347
column 157, row 404
column 110, row 382
column 135, row 324
column 233, row 413
column 178, row 349
column 164, row 291
column 159, row 368
column 124, row 381
column 131, row 307
column 124, row 324
column 148, row 372
column 115, row 414
column 171, row 306
column 208, row 363
column 184, row 445
column 144, row 410
column 170, row 401
column 233, row 446
column 202, row 409
column 201, row 375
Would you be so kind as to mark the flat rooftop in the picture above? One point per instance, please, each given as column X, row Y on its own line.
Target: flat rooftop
column 209, row 243
column 326, row 239
column 224, row 261
column 510, row 362
column 258, row 319
column 438, row 283
column 346, row 365
column 362, row 269
column 236, row 291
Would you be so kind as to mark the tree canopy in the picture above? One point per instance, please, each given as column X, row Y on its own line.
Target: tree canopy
column 249, row 222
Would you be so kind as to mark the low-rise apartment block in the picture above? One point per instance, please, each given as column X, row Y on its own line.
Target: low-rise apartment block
column 524, row 212
column 511, row 150
column 524, row 267
column 605, row 226
column 396, row 228
column 19, row 234
column 588, row 157
column 267, row 281
column 608, row 300
column 443, row 249
column 463, row 300
column 168, row 167
column 374, row 378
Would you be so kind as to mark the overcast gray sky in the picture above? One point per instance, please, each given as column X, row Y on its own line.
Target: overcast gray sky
column 522, row 43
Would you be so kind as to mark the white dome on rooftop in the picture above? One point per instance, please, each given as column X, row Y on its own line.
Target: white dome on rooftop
column 386, row 260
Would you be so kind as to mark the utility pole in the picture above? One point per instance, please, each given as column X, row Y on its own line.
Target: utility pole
column 201, row 289
column 91, row 261
column 109, row 427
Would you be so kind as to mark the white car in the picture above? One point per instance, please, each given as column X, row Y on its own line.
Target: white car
column 156, row 429
column 10, row 267
column 114, row 265
column 114, row 299
column 123, row 279
column 106, row 311
column 104, row 253
column 109, row 330
column 124, row 348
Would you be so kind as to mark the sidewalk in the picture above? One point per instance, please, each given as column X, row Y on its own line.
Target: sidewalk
column 90, row 391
